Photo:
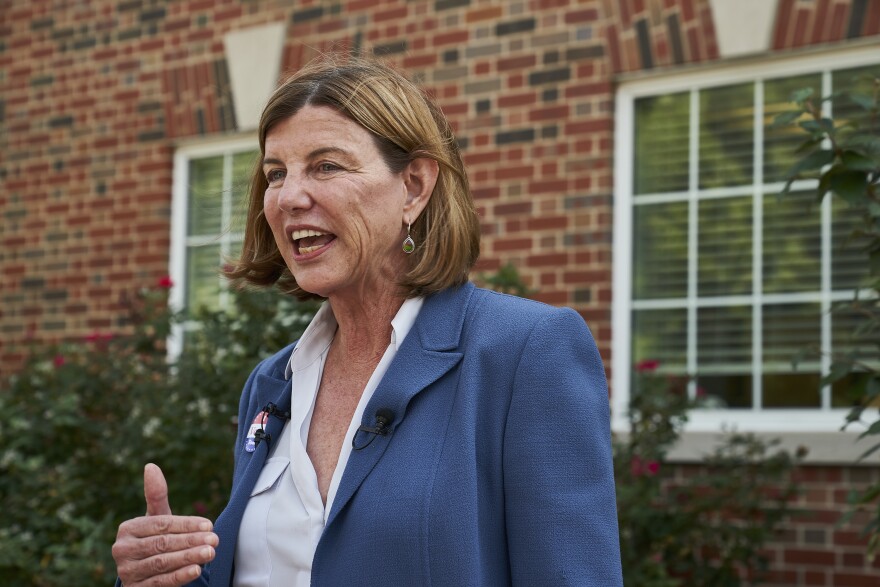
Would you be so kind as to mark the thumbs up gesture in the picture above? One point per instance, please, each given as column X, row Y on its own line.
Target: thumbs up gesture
column 161, row 549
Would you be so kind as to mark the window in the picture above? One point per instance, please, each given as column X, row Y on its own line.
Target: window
column 209, row 210
column 718, row 278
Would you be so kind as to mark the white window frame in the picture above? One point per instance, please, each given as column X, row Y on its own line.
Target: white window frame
column 180, row 240
column 824, row 419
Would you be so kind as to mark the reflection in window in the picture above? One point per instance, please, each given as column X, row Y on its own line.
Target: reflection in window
column 724, row 251
column 661, row 144
column 661, row 335
column 731, row 281
column 660, row 253
column 216, row 200
column 792, row 243
column 726, row 136
column 724, row 356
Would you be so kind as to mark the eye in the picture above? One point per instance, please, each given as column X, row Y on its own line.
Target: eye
column 274, row 176
column 327, row 167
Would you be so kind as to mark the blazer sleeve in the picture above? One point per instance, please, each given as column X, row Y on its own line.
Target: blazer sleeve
column 560, row 505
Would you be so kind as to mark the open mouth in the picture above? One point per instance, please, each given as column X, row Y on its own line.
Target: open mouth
column 308, row 241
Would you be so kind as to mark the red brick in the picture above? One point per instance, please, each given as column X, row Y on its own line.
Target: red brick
column 855, row 580
column 451, row 38
column 577, row 16
column 518, row 172
column 512, row 208
column 503, row 245
column 481, row 14
column 518, row 62
column 808, row 557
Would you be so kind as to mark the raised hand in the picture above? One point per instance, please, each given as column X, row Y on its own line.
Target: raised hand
column 161, row 549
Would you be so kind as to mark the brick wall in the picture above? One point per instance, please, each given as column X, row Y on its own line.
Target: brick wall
column 93, row 96
column 814, row 548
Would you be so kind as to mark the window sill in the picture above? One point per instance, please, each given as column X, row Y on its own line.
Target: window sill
column 825, row 448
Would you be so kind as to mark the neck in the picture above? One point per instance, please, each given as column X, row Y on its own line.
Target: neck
column 364, row 325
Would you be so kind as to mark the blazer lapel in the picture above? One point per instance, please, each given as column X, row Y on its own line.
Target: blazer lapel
column 266, row 389
column 421, row 360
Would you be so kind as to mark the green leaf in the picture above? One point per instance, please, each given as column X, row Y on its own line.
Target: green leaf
column 838, row 371
column 872, row 389
column 786, row 118
column 817, row 127
column 857, row 161
column 801, row 95
column 850, row 185
column 866, row 102
column 815, row 160
column 872, row 430
column 807, row 145
column 823, row 187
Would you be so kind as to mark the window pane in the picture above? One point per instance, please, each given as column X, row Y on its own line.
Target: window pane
column 780, row 143
column 724, row 356
column 849, row 264
column 660, row 250
column 725, row 247
column 792, row 243
column 202, row 279
column 857, row 80
column 660, row 335
column 661, row 144
column 726, row 136
column 205, row 195
column 790, row 331
column 242, row 167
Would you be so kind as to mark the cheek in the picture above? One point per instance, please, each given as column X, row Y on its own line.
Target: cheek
column 274, row 217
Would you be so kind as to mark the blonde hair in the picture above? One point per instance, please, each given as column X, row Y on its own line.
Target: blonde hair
column 406, row 125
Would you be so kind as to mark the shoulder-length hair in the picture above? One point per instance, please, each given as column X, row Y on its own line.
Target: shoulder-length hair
column 406, row 125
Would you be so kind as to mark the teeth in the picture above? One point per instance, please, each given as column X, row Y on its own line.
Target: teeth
column 298, row 234
column 307, row 250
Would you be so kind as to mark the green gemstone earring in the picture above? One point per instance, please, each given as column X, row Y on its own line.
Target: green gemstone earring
column 409, row 245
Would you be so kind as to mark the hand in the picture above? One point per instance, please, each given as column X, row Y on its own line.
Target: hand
column 161, row 549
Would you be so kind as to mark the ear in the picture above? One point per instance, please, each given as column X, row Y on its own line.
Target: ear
column 419, row 178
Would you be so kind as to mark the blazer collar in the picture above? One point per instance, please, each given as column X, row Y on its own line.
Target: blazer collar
column 421, row 360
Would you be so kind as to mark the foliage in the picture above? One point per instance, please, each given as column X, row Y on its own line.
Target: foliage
column 706, row 529
column 843, row 155
column 79, row 422
column 506, row 280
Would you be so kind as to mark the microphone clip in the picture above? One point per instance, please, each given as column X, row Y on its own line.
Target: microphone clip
column 384, row 417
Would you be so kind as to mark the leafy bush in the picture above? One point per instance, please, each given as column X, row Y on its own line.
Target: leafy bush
column 843, row 156
column 708, row 529
column 78, row 423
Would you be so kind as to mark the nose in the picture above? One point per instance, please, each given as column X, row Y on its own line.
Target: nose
column 294, row 195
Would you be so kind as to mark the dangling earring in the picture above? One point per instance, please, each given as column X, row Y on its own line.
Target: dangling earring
column 409, row 245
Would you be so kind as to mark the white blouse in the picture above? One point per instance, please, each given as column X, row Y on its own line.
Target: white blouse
column 285, row 516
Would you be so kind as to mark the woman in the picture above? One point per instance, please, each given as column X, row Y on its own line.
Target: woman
column 422, row 431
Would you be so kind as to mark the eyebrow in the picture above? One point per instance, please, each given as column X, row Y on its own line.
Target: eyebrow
column 312, row 155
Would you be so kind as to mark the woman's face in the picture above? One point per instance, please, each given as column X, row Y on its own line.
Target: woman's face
column 334, row 207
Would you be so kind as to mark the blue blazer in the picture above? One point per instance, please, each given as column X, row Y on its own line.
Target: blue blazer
column 496, row 471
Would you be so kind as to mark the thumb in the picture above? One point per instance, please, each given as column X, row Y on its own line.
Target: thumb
column 156, row 491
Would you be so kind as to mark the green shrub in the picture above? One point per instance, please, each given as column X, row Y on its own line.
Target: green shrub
column 705, row 530
column 842, row 155
column 79, row 421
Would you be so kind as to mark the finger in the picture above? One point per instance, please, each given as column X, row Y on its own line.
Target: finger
column 156, row 491
column 172, row 569
column 147, row 526
column 134, row 549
